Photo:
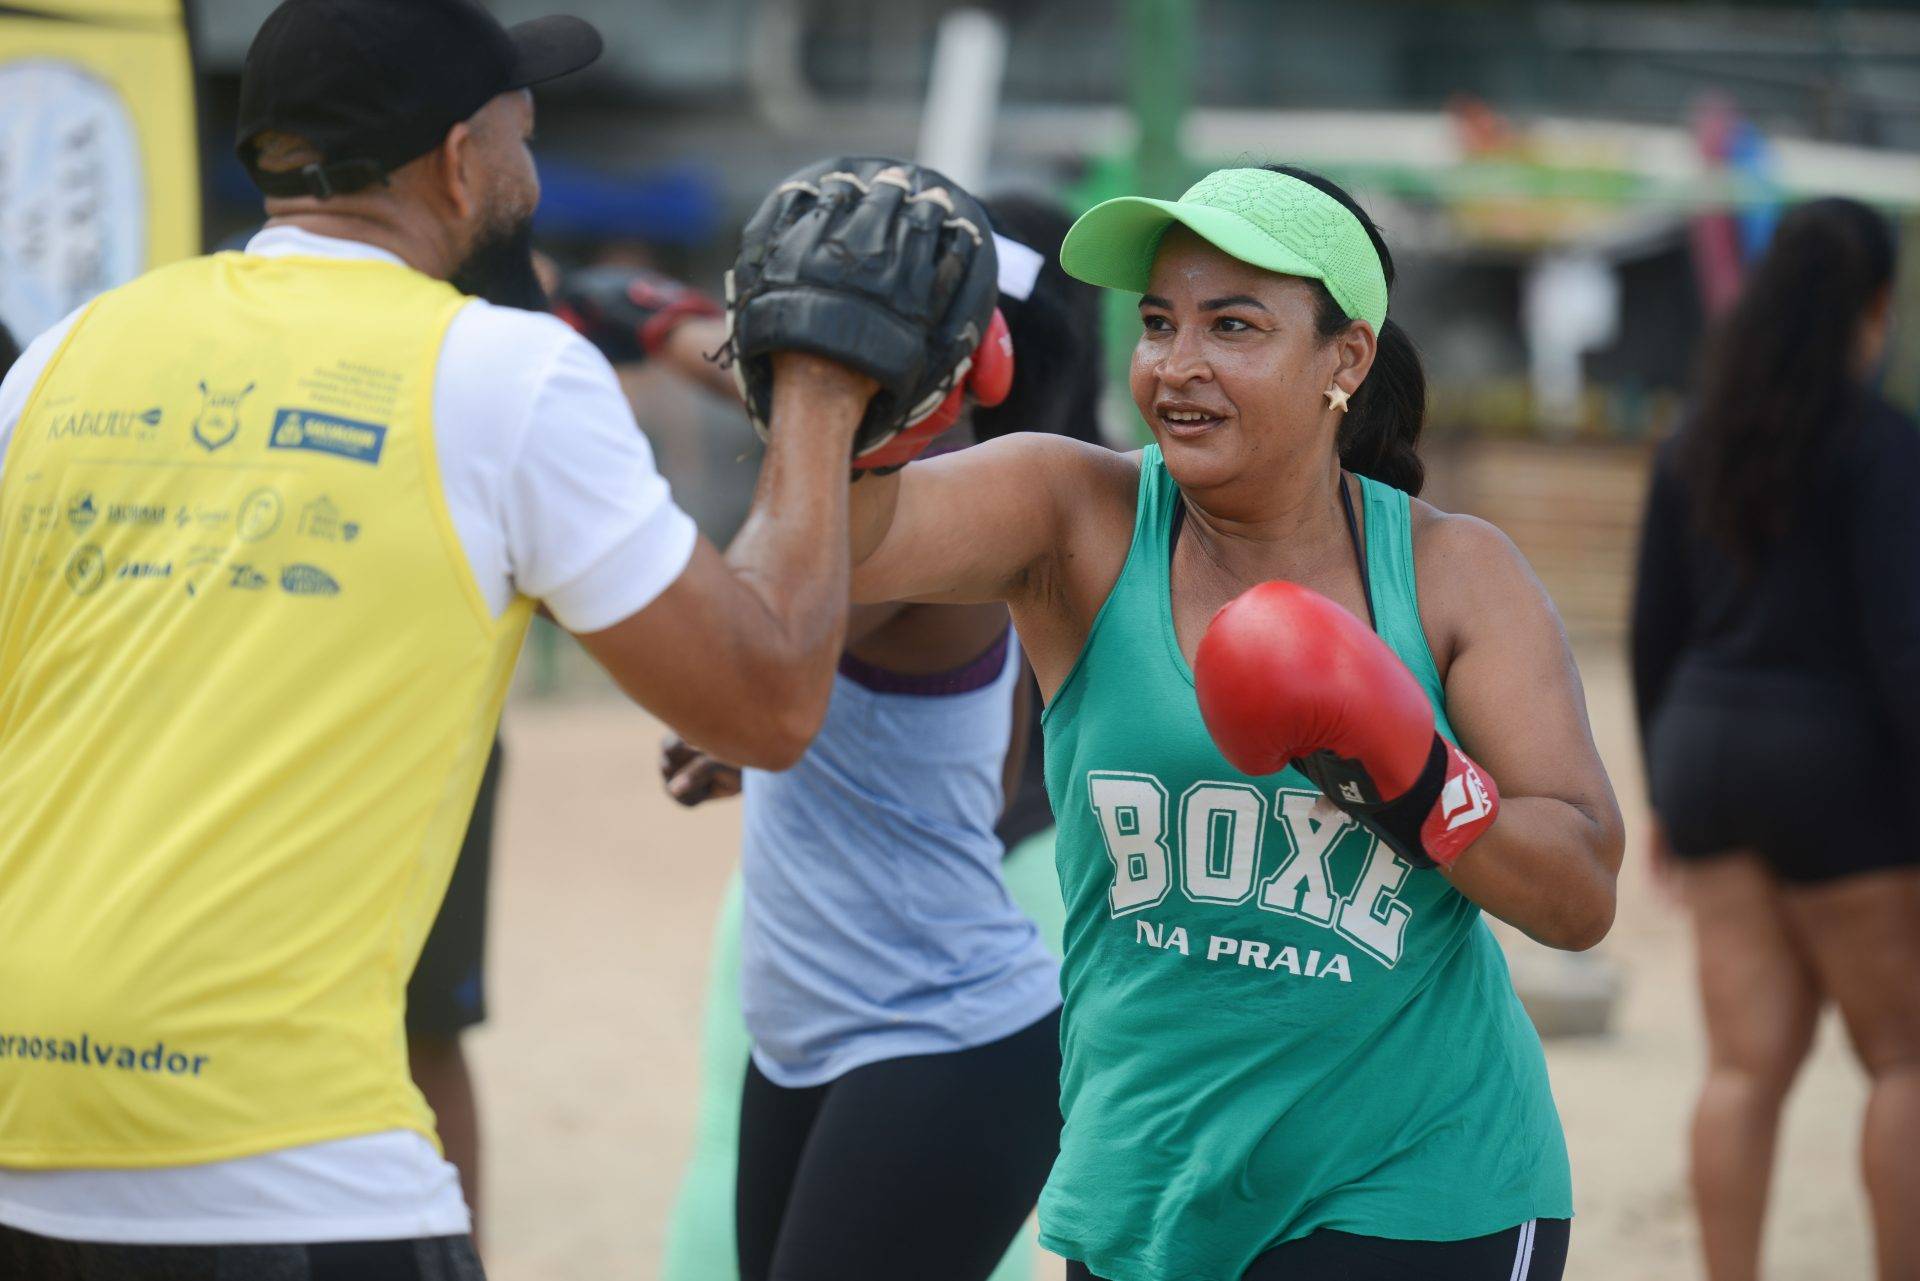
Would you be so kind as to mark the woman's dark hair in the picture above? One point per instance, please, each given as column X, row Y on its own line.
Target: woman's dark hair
column 1057, row 369
column 1380, row 435
column 1776, row 374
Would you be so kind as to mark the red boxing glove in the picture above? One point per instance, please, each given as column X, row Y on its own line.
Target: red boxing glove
column 987, row 377
column 1285, row 676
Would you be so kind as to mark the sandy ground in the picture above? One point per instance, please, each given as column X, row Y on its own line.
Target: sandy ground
column 604, row 902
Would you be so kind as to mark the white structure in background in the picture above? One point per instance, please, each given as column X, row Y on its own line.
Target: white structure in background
column 73, row 197
column 1569, row 305
column 963, row 95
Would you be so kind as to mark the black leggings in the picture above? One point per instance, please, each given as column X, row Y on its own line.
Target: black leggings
column 27, row 1257
column 1534, row 1251
column 923, row 1166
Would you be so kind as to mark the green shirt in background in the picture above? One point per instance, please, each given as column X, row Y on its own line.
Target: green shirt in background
column 1272, row 1025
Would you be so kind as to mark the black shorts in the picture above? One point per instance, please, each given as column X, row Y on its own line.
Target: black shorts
column 26, row 1257
column 448, row 991
column 1796, row 771
column 923, row 1167
column 1534, row 1251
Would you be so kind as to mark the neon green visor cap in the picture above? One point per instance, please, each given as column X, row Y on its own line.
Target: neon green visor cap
column 1268, row 219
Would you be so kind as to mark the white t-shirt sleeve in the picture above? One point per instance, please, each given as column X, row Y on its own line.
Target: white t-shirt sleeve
column 550, row 483
column 25, row 376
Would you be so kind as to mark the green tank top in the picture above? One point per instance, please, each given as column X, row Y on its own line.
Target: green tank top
column 1273, row 1025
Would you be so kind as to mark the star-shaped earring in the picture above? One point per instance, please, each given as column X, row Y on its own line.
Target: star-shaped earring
column 1336, row 398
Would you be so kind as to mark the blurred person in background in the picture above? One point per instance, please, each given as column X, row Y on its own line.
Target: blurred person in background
column 900, row 1100
column 1776, row 657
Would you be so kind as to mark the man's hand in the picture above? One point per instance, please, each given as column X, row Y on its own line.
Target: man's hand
column 827, row 386
column 884, row 266
column 692, row 776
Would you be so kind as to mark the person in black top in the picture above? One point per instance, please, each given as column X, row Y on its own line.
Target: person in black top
column 1776, row 664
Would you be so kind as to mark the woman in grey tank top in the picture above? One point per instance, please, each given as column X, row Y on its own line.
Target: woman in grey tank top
column 901, row 1100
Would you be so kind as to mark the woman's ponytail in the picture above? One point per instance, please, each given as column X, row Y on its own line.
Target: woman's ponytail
column 1380, row 433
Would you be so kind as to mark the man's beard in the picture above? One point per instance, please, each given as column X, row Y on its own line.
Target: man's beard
column 499, row 268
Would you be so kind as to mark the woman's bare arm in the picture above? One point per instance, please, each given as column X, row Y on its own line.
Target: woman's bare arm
column 980, row 524
column 1548, row 864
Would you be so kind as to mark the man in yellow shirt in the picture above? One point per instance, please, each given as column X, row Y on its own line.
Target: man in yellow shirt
column 272, row 524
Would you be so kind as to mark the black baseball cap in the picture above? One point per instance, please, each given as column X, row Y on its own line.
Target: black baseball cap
column 373, row 84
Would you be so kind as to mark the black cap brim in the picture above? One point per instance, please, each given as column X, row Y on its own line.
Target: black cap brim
column 547, row 48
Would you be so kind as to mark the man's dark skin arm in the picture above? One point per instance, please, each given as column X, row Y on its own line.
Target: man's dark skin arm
column 911, row 639
column 738, row 654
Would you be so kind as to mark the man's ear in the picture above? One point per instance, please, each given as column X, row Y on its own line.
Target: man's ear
column 458, row 162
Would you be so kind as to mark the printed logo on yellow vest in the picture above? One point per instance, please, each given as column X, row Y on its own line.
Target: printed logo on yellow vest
column 322, row 519
column 86, row 570
column 145, row 569
column 105, row 424
column 259, row 515
column 219, row 419
column 308, row 580
column 327, row 434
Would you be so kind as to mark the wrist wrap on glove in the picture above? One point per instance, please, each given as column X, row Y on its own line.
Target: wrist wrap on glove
column 1431, row 823
column 1285, row 676
column 883, row 266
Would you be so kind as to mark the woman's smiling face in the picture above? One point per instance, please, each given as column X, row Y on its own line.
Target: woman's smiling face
column 1230, row 368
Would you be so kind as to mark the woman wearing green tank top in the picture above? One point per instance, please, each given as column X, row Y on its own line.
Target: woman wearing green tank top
column 1289, row 1052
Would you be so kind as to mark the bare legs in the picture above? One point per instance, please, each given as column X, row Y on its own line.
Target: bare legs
column 1768, row 955
column 1863, row 934
column 1760, row 999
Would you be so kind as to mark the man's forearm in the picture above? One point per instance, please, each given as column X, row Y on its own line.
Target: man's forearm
column 791, row 554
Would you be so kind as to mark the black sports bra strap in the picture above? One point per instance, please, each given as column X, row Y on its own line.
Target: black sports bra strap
column 1359, row 550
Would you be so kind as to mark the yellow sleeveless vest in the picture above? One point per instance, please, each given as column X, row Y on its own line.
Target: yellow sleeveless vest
column 247, row 687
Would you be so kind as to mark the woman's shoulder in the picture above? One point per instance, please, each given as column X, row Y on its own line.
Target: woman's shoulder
column 1085, row 482
column 1081, row 460
column 1468, row 574
column 1452, row 541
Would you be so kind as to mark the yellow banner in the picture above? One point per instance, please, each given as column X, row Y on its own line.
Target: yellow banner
column 99, row 166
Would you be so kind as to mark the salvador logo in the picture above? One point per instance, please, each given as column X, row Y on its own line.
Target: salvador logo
column 218, row 421
column 308, row 580
column 319, row 433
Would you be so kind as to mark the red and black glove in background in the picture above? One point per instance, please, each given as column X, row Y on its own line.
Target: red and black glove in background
column 628, row 312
